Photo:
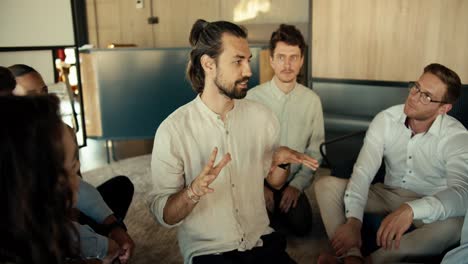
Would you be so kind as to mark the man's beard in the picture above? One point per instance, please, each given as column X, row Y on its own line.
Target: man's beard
column 232, row 93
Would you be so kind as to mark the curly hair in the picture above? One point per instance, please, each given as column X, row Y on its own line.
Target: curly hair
column 34, row 187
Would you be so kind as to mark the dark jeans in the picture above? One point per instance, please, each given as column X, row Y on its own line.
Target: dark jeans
column 298, row 220
column 117, row 193
column 272, row 252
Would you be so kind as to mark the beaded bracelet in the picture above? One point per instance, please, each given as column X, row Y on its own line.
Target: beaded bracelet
column 191, row 194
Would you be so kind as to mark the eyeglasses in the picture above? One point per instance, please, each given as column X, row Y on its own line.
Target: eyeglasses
column 424, row 97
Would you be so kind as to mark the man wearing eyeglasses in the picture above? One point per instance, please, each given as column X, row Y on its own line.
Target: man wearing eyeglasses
column 299, row 111
column 426, row 183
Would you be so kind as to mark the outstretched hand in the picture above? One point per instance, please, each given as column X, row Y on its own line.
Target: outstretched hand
column 200, row 185
column 286, row 155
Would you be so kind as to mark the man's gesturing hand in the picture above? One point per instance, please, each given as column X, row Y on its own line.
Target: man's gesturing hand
column 287, row 155
column 200, row 185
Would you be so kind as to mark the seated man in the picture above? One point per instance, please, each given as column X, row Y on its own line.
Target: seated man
column 426, row 181
column 102, row 209
column 299, row 111
column 7, row 81
column 218, row 202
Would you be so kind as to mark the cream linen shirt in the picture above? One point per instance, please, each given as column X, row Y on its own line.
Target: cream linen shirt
column 433, row 164
column 301, row 120
column 234, row 216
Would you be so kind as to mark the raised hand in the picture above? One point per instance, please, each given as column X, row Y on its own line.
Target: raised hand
column 200, row 186
column 287, row 155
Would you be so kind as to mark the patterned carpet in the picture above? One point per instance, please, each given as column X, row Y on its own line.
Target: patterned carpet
column 156, row 244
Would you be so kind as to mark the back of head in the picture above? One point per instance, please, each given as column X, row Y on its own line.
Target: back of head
column 206, row 38
column 7, row 81
column 21, row 69
column 288, row 34
column 449, row 78
column 35, row 190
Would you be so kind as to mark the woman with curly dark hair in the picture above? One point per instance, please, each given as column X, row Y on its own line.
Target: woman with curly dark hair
column 36, row 190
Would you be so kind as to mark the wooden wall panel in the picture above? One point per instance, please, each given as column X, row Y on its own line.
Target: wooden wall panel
column 176, row 18
column 388, row 40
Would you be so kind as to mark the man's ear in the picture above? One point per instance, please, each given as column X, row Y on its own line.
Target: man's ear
column 445, row 108
column 207, row 63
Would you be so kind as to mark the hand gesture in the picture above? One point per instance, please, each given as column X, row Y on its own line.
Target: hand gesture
column 347, row 236
column 289, row 198
column 200, row 186
column 394, row 226
column 287, row 155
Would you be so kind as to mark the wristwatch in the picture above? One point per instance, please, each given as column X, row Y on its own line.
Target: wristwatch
column 108, row 228
column 284, row 166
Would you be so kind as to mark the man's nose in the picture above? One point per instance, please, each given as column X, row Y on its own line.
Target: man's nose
column 247, row 72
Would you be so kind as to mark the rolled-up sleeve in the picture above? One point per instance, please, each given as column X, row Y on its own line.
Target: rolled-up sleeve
column 167, row 171
column 92, row 244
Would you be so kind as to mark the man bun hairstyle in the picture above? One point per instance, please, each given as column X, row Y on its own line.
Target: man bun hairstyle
column 206, row 38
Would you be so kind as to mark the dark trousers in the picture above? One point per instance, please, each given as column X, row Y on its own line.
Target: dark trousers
column 117, row 193
column 272, row 252
column 298, row 220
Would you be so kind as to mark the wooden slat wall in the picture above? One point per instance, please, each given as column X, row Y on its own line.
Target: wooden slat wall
column 388, row 40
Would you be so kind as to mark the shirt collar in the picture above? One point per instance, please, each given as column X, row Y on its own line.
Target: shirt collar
column 435, row 127
column 205, row 109
column 277, row 91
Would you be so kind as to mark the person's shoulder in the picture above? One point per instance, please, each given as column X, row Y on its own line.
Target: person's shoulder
column 306, row 92
column 451, row 126
column 257, row 91
column 393, row 112
column 179, row 115
column 254, row 108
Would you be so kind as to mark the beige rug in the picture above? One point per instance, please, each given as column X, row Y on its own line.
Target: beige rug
column 156, row 244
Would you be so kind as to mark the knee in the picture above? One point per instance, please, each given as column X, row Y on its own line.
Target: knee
column 329, row 184
column 124, row 184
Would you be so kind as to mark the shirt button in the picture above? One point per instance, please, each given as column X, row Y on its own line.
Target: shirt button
column 410, row 171
column 346, row 195
column 237, row 210
column 227, row 132
column 404, row 181
column 233, row 185
column 410, row 157
column 347, row 211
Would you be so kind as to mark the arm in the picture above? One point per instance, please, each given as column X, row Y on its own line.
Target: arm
column 91, row 203
column 303, row 177
column 278, row 176
column 180, row 204
column 369, row 160
column 452, row 201
column 365, row 168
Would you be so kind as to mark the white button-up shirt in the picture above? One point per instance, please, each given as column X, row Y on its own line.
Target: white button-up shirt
column 301, row 121
column 433, row 164
column 234, row 216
